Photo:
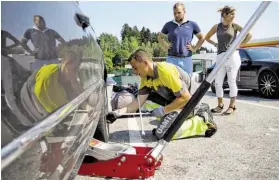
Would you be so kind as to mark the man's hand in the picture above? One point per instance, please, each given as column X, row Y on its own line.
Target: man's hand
column 36, row 51
column 168, row 45
column 163, row 40
column 159, row 112
column 191, row 48
column 161, row 35
column 112, row 116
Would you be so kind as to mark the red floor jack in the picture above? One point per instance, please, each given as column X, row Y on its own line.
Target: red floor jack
column 120, row 161
column 141, row 162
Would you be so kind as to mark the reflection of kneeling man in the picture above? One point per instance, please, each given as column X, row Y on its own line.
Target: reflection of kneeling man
column 52, row 86
column 166, row 84
column 44, row 42
column 46, row 90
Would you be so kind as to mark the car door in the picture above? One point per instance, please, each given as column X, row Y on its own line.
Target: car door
column 45, row 121
column 244, row 76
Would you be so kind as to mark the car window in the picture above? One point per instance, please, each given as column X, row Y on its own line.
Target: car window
column 243, row 55
column 263, row 53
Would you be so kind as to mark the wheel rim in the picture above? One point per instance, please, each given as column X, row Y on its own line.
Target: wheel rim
column 267, row 85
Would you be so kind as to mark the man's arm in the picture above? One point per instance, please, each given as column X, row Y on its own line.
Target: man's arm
column 162, row 42
column 178, row 102
column 179, row 88
column 134, row 105
column 25, row 40
column 160, row 38
column 58, row 37
column 248, row 36
column 199, row 35
column 16, row 41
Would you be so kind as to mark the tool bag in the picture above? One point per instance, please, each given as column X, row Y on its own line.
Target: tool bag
column 195, row 123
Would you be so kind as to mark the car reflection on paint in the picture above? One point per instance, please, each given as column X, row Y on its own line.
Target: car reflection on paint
column 51, row 111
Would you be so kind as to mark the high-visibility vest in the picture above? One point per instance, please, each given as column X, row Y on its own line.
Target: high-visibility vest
column 47, row 88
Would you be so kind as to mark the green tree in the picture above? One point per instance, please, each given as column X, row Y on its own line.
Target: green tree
column 125, row 44
column 109, row 42
column 153, row 37
column 122, row 53
column 126, row 31
column 145, row 35
column 147, row 47
column 109, row 64
column 158, row 50
column 136, row 33
column 133, row 44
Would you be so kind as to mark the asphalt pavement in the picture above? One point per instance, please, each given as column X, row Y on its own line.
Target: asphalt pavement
column 246, row 145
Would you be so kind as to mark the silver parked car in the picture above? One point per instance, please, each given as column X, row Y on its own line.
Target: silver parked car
column 53, row 90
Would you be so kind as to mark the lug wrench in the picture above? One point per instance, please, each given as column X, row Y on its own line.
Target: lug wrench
column 142, row 128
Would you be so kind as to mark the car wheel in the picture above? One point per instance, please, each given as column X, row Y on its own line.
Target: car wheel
column 102, row 130
column 268, row 85
column 213, row 87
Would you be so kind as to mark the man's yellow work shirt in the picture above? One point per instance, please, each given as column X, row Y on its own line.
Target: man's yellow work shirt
column 169, row 81
column 48, row 89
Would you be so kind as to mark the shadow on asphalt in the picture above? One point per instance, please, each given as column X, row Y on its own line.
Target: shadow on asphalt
column 154, row 122
column 245, row 95
column 124, row 137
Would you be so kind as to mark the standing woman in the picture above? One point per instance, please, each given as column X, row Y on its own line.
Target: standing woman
column 226, row 32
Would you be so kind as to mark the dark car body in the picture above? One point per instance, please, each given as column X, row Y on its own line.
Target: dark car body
column 259, row 71
column 43, row 137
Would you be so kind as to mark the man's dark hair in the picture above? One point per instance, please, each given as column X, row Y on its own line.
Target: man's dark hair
column 38, row 16
column 130, row 57
column 138, row 55
column 178, row 4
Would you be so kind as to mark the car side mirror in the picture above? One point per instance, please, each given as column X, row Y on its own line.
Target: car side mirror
column 99, row 41
column 82, row 20
column 244, row 60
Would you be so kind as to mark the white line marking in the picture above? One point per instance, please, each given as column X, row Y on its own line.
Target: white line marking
column 60, row 168
column 43, row 146
column 134, row 133
column 255, row 104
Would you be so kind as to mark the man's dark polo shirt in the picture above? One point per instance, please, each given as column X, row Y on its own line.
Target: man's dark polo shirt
column 179, row 36
column 44, row 41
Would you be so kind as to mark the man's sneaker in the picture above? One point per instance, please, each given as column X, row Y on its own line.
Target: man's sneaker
column 204, row 112
column 211, row 130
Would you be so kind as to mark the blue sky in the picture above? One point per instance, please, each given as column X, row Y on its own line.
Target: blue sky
column 109, row 17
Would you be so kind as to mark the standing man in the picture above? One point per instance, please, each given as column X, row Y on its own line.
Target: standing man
column 44, row 42
column 180, row 34
column 170, row 83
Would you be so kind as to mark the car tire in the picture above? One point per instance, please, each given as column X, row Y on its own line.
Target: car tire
column 102, row 130
column 213, row 89
column 268, row 85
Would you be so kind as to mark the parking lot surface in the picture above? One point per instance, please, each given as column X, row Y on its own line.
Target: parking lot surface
column 246, row 145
